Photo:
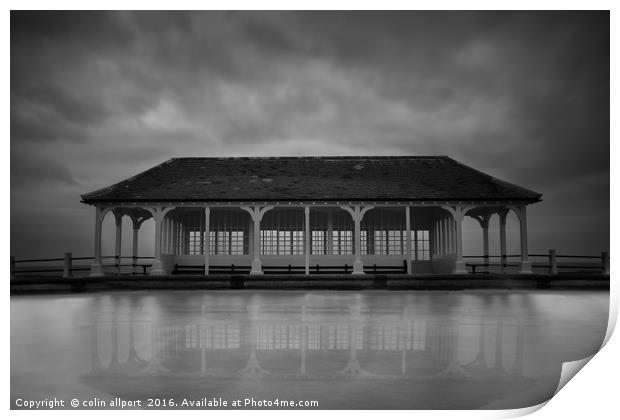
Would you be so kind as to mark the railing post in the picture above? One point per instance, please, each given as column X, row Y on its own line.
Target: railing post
column 12, row 267
column 66, row 272
column 605, row 260
column 553, row 262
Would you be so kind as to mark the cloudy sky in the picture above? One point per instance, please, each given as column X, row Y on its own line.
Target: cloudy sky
column 98, row 97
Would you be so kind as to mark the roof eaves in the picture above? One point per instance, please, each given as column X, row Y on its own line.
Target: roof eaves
column 91, row 196
column 535, row 196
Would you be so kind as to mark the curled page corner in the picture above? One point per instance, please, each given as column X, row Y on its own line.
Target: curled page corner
column 570, row 369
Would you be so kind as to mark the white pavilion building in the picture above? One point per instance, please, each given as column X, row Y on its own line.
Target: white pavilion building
column 307, row 215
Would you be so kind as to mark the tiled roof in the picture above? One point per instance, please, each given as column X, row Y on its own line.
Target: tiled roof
column 415, row 178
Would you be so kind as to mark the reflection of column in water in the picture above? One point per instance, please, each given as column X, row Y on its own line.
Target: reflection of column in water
column 114, row 363
column 499, row 338
column 303, row 340
column 480, row 360
column 406, row 338
column 133, row 353
column 450, row 338
column 154, row 365
column 252, row 368
column 353, row 366
column 517, row 367
column 95, row 361
column 202, row 342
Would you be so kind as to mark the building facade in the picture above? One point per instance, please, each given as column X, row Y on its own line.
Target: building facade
column 311, row 214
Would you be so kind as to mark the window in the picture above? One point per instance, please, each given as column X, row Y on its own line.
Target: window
column 194, row 243
column 422, row 245
column 395, row 242
column 236, row 243
column 318, row 242
column 342, row 242
column 228, row 233
column 364, row 241
column 284, row 242
column 223, row 242
column 269, row 242
column 298, row 242
column 380, row 242
column 212, row 244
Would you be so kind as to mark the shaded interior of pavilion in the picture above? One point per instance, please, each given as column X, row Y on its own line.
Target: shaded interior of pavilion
column 306, row 240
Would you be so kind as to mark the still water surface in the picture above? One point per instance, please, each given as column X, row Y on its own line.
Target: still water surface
column 346, row 350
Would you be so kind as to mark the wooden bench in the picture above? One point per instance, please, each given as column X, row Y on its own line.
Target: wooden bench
column 213, row 269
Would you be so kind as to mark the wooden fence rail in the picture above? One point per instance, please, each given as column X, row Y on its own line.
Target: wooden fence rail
column 68, row 268
column 552, row 263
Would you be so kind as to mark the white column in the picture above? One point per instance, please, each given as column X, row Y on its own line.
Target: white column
column 459, row 267
column 135, row 222
column 118, row 218
column 308, row 240
column 95, row 267
column 485, row 240
column 134, row 242
column 358, row 265
column 526, row 265
column 449, row 237
column 502, row 237
column 454, row 229
column 257, row 214
column 443, row 241
column 457, row 213
column 159, row 215
column 168, row 236
column 164, row 235
column 207, row 238
column 408, row 240
column 257, row 266
column 330, row 232
column 357, row 213
column 436, row 238
column 251, row 237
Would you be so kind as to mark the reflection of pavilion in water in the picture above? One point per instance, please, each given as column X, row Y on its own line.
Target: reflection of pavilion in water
column 303, row 342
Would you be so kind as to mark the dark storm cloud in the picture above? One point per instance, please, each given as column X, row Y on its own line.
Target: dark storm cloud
column 521, row 95
column 27, row 171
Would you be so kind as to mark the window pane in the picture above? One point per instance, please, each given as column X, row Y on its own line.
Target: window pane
column 380, row 242
column 395, row 242
column 422, row 245
column 318, row 242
